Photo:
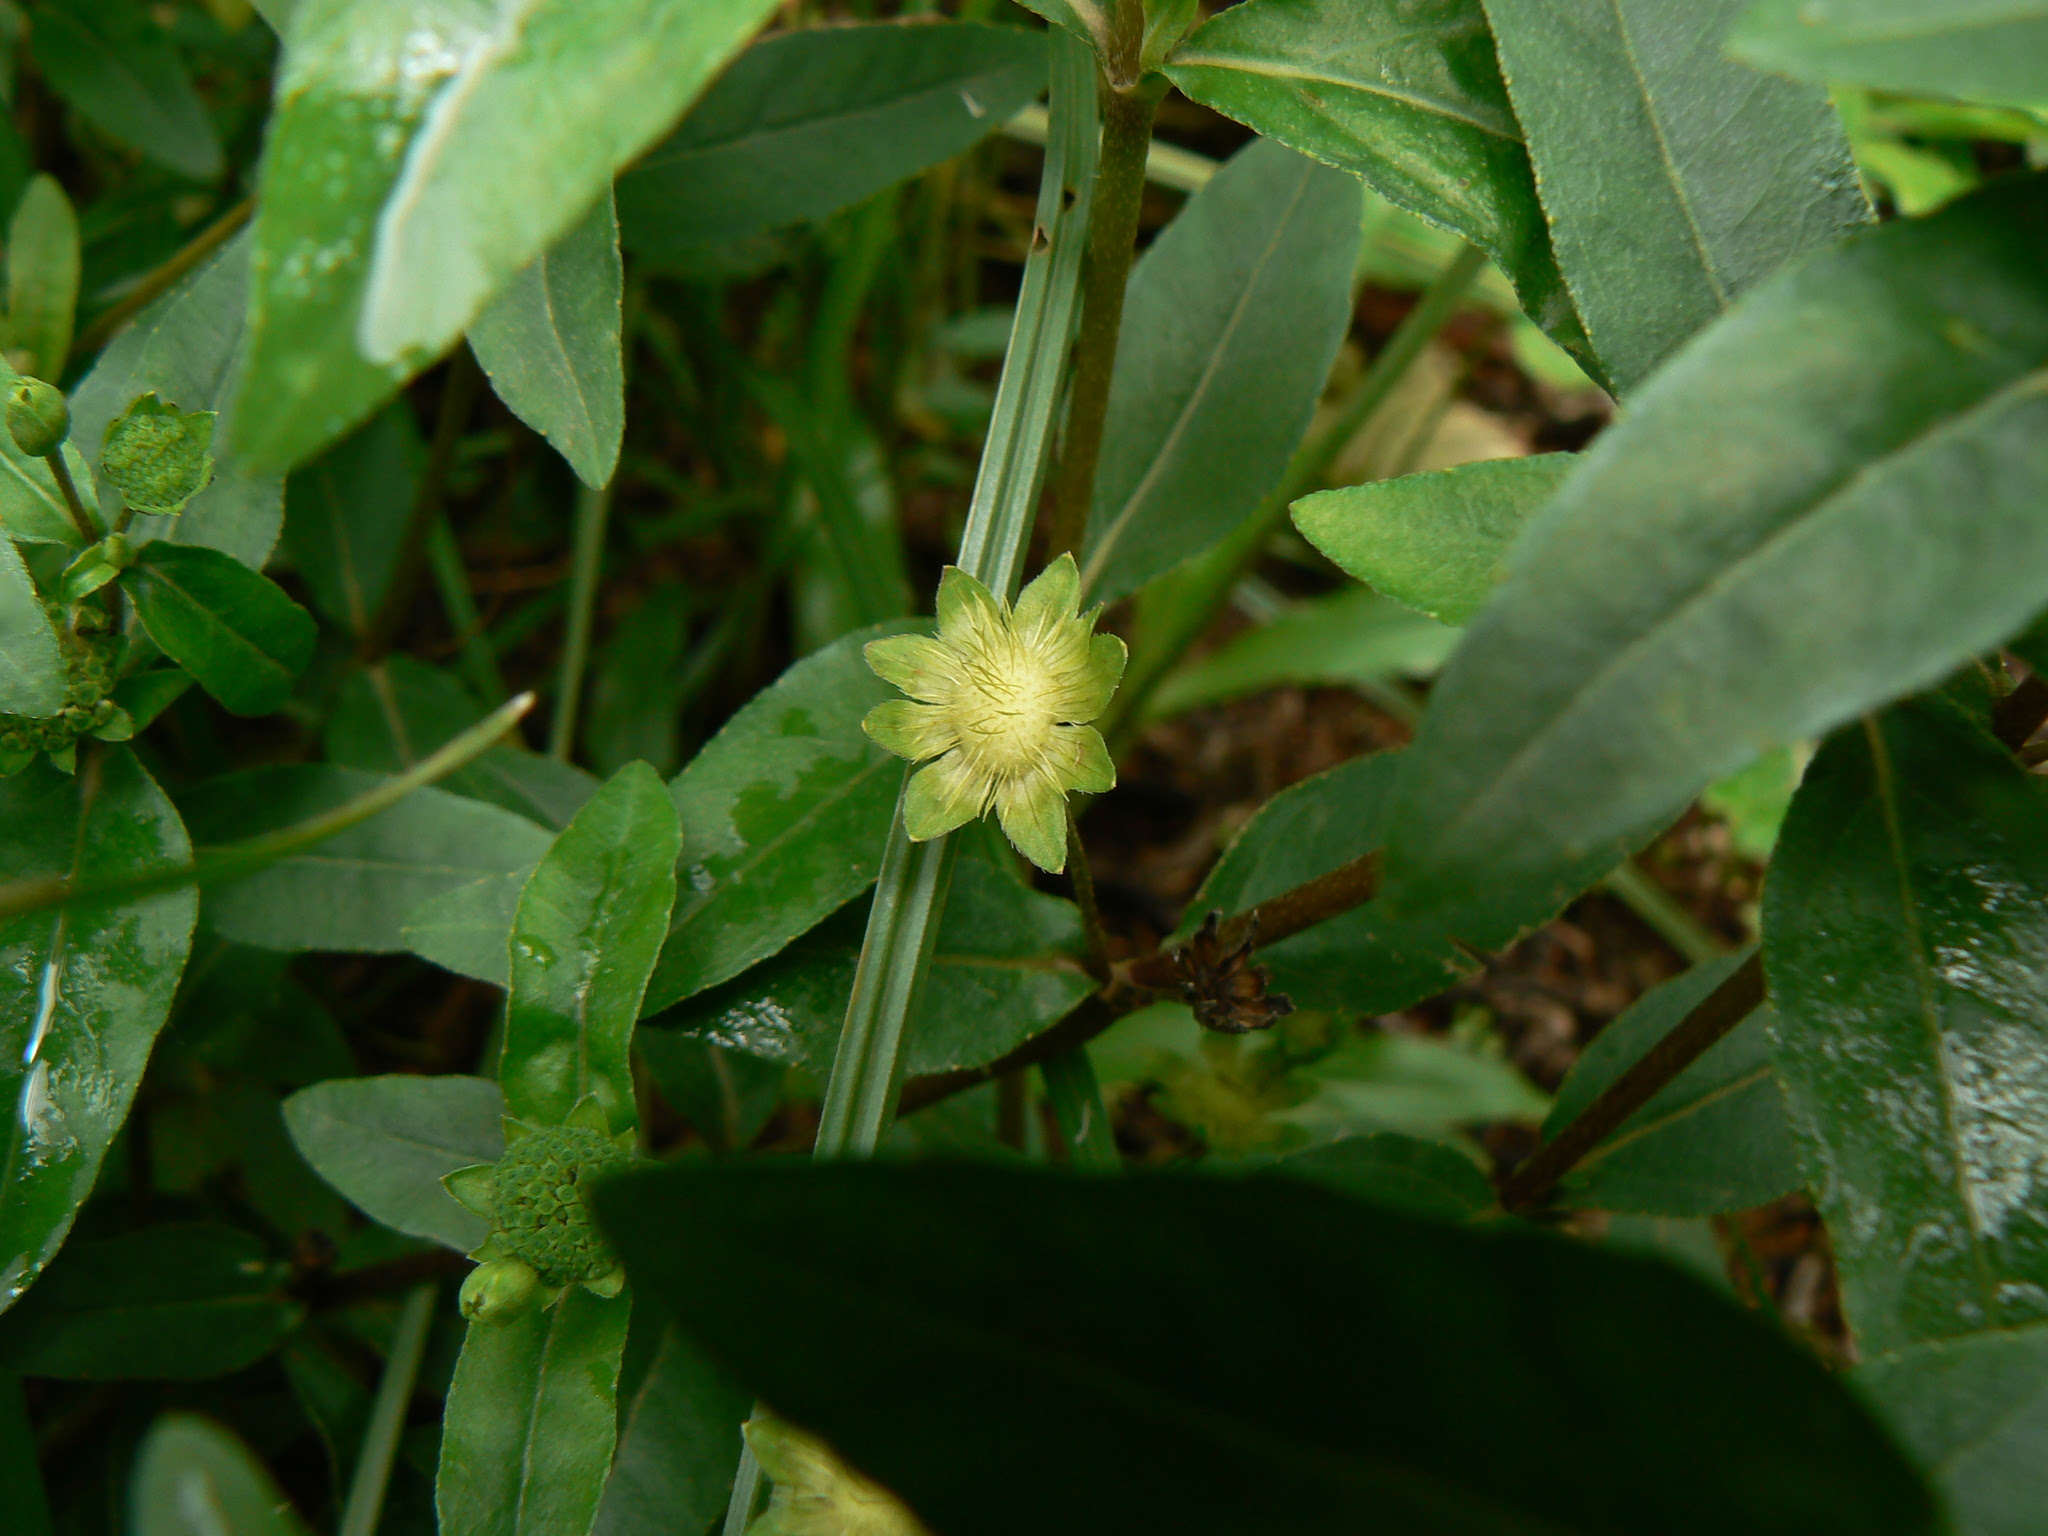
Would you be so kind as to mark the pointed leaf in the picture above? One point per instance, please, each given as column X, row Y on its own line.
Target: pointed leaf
column 232, row 628
column 1676, row 610
column 42, row 280
column 82, row 994
column 1230, row 324
column 1906, row 942
column 1673, row 178
column 386, row 1142
column 550, row 342
column 591, row 922
column 1101, row 1333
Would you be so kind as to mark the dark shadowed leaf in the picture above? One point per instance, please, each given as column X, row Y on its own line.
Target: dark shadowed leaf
column 1678, row 609
column 349, row 511
column 82, row 994
column 1673, row 177
column 42, row 280
column 175, row 1301
column 28, row 1506
column 113, row 62
column 1426, row 1177
column 678, row 1447
column 1187, row 1354
column 193, row 1478
column 385, row 1142
column 232, row 628
column 1230, row 324
column 1906, row 941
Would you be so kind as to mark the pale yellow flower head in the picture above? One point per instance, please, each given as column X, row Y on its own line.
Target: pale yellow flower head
column 1000, row 700
column 817, row 1494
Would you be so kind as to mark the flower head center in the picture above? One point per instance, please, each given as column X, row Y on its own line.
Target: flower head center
column 1007, row 707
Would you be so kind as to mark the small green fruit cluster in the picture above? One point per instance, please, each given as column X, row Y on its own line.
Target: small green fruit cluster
column 542, row 1238
column 90, row 664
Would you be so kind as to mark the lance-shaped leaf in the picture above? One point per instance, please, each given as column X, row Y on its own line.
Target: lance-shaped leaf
column 32, row 678
column 1438, row 541
column 550, row 343
column 387, row 1142
column 1407, row 96
column 1977, row 50
column 82, row 994
column 232, row 628
column 1715, row 1139
column 1229, row 328
column 811, row 120
column 112, row 61
column 591, row 922
column 531, row 1420
column 1906, row 941
column 678, row 1444
column 42, row 279
column 389, row 211
column 1677, row 609
column 1178, row 1353
column 1673, row 177
column 193, row 1478
column 187, row 347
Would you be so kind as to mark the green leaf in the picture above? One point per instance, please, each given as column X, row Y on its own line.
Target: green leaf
column 1438, row 541
column 787, row 809
column 1409, row 98
column 387, row 218
column 644, row 674
column 531, row 1420
column 193, row 1478
column 591, row 922
column 550, row 342
column 396, row 712
column 1426, row 1178
column 145, row 695
column 1906, row 942
column 813, row 120
column 82, row 993
column 385, row 1142
column 28, row 1506
column 32, row 676
column 355, row 890
column 1230, row 324
column 1650, row 147
column 1004, row 967
column 42, row 280
column 1361, row 961
column 1351, row 636
column 232, row 628
column 175, row 1302
column 678, row 1446
column 1185, row 1353
column 349, row 510
column 1675, row 610
column 1975, row 1411
column 187, row 348
column 1715, row 1140
column 1980, row 50
column 727, row 1096
column 469, row 930
column 111, row 61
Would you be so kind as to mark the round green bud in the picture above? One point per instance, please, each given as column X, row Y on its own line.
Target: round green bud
column 537, row 1207
column 498, row 1289
column 37, row 417
column 157, row 456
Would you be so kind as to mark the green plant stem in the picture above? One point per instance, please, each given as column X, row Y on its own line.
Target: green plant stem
column 1670, row 921
column 231, row 861
column 1076, row 1099
column 154, row 284
column 1092, row 931
column 1112, row 243
column 459, row 389
column 478, row 661
column 387, row 1415
column 910, row 890
column 593, row 511
column 1205, row 585
column 82, row 520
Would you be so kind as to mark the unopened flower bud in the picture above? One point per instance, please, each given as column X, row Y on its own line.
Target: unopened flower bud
column 498, row 1289
column 37, row 417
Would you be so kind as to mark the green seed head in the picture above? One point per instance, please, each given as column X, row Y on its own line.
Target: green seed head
column 158, row 457
column 537, row 1207
column 37, row 417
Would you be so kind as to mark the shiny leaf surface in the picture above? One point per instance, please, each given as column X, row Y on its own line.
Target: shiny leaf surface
column 385, row 1142
column 1906, row 942
column 1673, row 178
column 1076, row 1327
column 1644, row 642
column 1230, row 323
column 82, row 995
column 1439, row 541
column 590, row 924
